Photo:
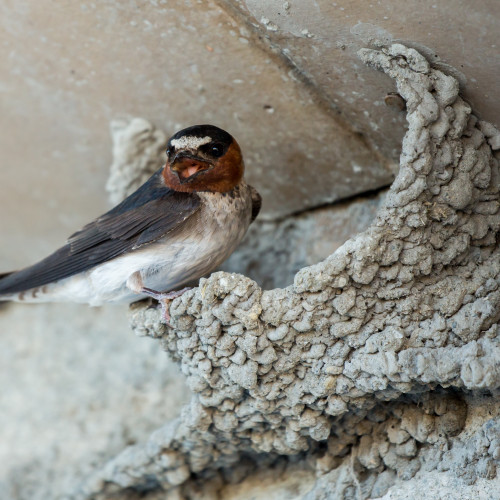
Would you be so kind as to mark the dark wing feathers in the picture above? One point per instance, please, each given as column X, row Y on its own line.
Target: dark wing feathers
column 146, row 215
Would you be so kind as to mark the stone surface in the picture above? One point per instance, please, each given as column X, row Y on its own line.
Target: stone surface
column 379, row 364
column 282, row 76
column 321, row 38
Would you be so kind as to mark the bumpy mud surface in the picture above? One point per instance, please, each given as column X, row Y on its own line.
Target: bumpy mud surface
column 367, row 367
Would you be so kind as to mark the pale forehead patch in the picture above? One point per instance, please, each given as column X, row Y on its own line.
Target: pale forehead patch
column 190, row 142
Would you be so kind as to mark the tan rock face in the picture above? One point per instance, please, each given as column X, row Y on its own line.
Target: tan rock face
column 321, row 38
column 72, row 68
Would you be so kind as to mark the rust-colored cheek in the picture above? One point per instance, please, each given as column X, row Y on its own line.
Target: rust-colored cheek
column 230, row 169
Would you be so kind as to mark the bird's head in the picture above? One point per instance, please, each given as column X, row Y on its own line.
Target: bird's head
column 203, row 158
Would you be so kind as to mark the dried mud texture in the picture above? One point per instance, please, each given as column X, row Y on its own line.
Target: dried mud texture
column 272, row 252
column 137, row 154
column 365, row 366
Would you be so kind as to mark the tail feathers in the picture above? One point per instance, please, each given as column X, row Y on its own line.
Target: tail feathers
column 2, row 276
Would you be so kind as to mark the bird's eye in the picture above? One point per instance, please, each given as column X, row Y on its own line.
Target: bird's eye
column 216, row 150
column 170, row 151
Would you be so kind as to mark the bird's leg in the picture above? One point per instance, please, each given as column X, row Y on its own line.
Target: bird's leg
column 164, row 298
column 136, row 284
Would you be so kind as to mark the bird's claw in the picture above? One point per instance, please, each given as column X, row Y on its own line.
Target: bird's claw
column 164, row 298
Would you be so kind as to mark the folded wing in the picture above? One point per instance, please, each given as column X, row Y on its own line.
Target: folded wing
column 150, row 213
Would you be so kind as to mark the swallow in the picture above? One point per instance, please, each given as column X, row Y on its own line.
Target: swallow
column 177, row 227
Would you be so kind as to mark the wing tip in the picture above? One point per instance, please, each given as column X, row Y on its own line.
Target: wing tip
column 3, row 289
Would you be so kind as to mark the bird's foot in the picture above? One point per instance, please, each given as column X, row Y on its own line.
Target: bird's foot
column 164, row 298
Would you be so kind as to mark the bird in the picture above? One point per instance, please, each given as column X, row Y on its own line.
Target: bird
column 180, row 225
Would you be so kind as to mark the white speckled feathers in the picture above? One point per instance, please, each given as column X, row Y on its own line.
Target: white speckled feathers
column 190, row 142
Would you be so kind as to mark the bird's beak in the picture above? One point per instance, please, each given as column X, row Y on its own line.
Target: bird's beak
column 186, row 166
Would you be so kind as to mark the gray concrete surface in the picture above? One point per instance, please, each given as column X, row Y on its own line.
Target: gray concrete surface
column 283, row 77
column 76, row 388
column 321, row 38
